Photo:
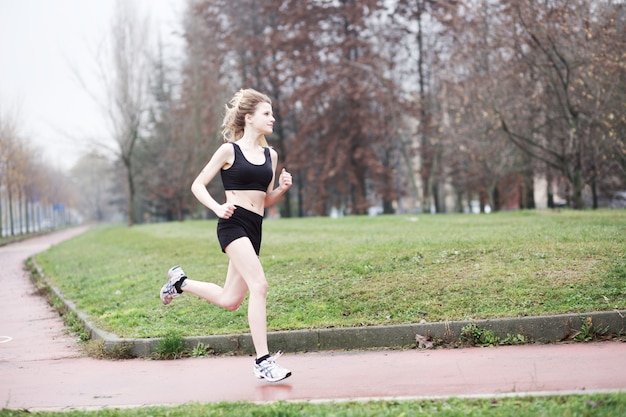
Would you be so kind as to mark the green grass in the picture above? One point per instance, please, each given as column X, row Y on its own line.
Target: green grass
column 353, row 271
column 597, row 405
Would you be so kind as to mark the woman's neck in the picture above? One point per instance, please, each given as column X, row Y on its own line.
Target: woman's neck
column 250, row 139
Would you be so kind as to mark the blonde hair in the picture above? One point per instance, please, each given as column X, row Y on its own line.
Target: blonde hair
column 245, row 101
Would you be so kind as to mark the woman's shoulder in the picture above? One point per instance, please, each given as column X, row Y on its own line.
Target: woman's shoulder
column 225, row 151
column 226, row 147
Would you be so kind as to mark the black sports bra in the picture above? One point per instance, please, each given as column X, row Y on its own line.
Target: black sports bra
column 244, row 175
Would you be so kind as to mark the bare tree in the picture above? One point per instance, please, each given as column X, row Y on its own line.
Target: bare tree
column 343, row 102
column 562, row 58
column 125, row 72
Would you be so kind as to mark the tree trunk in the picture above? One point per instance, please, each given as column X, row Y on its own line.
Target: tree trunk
column 11, row 222
column 529, row 189
column 577, row 189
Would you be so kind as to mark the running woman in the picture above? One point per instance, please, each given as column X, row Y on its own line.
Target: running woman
column 247, row 165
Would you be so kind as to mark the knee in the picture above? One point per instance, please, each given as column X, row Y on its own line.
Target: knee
column 233, row 304
column 259, row 288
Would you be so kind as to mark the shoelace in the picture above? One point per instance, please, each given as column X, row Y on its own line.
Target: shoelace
column 270, row 363
column 275, row 356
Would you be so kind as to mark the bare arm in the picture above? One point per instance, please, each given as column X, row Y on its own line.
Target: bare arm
column 220, row 158
column 284, row 183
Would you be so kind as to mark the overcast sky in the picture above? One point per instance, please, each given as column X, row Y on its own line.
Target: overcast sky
column 43, row 43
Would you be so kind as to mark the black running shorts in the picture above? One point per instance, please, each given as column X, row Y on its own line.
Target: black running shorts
column 243, row 223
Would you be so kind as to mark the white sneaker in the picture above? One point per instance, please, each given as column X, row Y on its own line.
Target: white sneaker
column 168, row 291
column 270, row 370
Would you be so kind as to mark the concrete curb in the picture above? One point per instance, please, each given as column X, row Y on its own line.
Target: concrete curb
column 539, row 329
column 543, row 329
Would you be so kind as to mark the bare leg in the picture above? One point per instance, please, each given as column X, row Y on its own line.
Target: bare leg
column 229, row 297
column 245, row 261
column 245, row 273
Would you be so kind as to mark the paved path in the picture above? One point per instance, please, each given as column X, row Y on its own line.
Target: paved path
column 42, row 368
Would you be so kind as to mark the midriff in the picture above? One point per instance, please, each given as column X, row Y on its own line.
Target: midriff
column 252, row 200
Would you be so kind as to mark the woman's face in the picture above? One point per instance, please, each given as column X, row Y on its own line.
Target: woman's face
column 263, row 119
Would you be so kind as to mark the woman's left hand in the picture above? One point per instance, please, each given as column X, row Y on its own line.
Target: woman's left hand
column 284, row 180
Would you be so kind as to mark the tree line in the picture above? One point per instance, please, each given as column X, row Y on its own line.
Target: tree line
column 409, row 105
column 399, row 105
column 34, row 196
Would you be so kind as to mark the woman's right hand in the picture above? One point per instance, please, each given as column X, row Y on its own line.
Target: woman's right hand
column 225, row 211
